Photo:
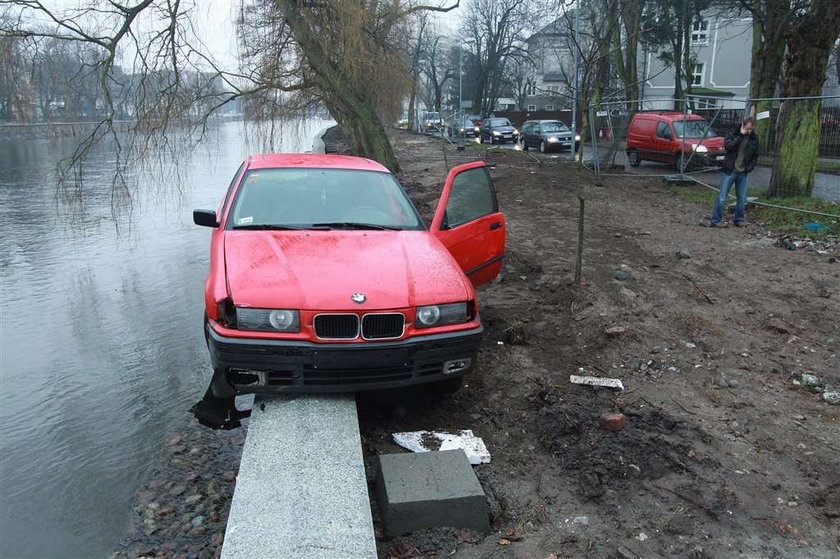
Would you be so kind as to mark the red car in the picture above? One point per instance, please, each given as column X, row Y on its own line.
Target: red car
column 662, row 136
column 324, row 278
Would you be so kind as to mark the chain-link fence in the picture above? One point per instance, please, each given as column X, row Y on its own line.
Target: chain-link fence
column 663, row 140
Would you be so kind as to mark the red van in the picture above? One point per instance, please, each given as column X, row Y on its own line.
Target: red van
column 662, row 136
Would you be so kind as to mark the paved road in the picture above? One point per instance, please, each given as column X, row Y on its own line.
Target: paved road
column 826, row 186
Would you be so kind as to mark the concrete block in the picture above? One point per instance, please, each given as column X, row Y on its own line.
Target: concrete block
column 432, row 489
column 301, row 490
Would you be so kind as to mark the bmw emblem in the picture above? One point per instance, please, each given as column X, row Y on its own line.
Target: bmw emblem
column 358, row 298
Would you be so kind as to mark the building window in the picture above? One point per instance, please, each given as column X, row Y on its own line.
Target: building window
column 549, row 107
column 697, row 73
column 532, row 107
column 700, row 32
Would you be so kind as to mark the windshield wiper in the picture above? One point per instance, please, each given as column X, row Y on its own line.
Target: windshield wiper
column 270, row 227
column 355, row 225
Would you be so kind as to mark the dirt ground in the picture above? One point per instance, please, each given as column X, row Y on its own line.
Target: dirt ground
column 723, row 455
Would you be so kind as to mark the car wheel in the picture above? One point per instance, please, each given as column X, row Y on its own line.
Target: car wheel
column 542, row 146
column 634, row 158
column 448, row 386
column 680, row 166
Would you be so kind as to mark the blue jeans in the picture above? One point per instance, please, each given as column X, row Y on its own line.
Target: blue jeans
column 726, row 181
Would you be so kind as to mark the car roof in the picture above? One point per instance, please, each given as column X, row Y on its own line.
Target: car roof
column 313, row 160
column 671, row 116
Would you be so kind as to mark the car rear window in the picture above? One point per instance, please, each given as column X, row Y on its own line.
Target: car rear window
column 299, row 197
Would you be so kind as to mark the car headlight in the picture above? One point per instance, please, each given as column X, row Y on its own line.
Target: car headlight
column 441, row 315
column 496, row 133
column 699, row 148
column 515, row 131
column 268, row 320
column 553, row 139
column 462, row 129
column 476, row 129
column 577, row 137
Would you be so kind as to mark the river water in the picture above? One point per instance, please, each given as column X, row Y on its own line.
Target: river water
column 101, row 348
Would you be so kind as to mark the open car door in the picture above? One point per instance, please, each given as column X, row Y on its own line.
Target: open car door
column 468, row 222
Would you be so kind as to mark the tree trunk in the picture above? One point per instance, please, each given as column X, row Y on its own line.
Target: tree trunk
column 412, row 110
column 626, row 62
column 798, row 144
column 678, row 59
column 346, row 90
column 768, row 52
column 810, row 40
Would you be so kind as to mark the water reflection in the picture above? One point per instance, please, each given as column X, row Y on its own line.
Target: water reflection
column 101, row 350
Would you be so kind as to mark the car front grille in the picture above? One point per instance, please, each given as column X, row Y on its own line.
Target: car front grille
column 382, row 326
column 337, row 326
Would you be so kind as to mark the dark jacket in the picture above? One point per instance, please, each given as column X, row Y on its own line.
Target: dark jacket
column 732, row 143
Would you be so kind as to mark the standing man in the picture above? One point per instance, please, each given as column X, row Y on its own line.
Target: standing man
column 741, row 155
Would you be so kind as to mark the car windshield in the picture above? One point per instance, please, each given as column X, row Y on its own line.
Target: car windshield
column 301, row 198
column 499, row 122
column 554, row 127
column 692, row 129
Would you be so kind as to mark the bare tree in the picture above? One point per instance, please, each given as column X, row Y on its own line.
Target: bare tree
column 435, row 66
column 493, row 31
column 338, row 53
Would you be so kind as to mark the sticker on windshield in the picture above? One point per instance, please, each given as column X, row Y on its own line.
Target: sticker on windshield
column 245, row 220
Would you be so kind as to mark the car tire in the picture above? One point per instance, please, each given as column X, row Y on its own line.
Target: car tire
column 444, row 387
column 678, row 166
column 542, row 146
column 634, row 158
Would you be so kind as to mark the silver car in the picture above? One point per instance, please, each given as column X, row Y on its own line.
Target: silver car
column 547, row 135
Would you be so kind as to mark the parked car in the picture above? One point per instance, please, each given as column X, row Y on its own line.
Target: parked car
column 663, row 136
column 432, row 122
column 401, row 124
column 547, row 135
column 324, row 278
column 466, row 126
column 497, row 131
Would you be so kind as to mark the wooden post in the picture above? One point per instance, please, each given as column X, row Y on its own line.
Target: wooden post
column 579, row 262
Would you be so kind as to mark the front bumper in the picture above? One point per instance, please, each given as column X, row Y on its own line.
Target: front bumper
column 273, row 366
column 708, row 159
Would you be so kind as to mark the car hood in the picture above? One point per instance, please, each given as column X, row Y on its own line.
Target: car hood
column 321, row 270
column 502, row 129
column 715, row 143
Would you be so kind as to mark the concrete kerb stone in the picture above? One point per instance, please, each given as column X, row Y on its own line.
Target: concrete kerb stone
column 301, row 490
column 432, row 489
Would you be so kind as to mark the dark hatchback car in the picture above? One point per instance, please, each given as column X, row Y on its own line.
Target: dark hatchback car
column 466, row 126
column 497, row 131
column 547, row 135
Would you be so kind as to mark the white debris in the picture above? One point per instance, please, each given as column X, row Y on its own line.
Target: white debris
column 430, row 441
column 642, row 536
column 597, row 381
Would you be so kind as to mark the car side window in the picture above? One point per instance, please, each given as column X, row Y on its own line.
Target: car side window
column 662, row 131
column 472, row 197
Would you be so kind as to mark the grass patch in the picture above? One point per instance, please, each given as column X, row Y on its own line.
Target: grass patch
column 783, row 221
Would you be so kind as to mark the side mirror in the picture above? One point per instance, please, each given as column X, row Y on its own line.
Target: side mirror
column 205, row 218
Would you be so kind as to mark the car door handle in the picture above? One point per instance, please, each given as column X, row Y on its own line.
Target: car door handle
column 496, row 225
